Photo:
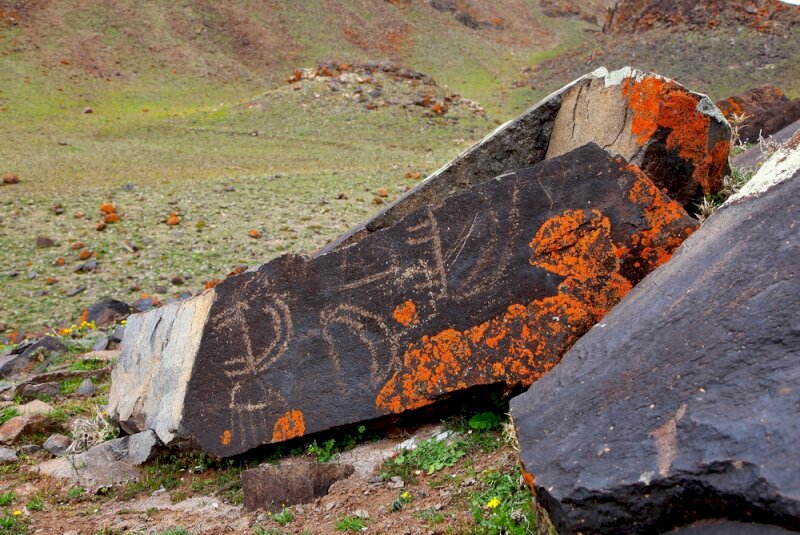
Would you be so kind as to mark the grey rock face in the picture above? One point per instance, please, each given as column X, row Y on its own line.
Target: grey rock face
column 86, row 388
column 682, row 404
column 8, row 455
column 57, row 444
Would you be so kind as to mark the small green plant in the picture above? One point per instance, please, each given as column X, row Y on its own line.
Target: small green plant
column 323, row 453
column 76, row 493
column 430, row 515
column 176, row 531
column 350, row 523
column 431, row 455
column 70, row 385
column 7, row 498
column 8, row 413
column 87, row 365
column 484, row 421
column 284, row 517
column 504, row 506
column 35, row 504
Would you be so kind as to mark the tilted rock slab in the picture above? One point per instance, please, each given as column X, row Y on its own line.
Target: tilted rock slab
column 684, row 402
column 678, row 137
column 489, row 287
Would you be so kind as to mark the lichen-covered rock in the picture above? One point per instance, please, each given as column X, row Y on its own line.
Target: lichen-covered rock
column 677, row 137
column 489, row 287
column 766, row 111
column 682, row 404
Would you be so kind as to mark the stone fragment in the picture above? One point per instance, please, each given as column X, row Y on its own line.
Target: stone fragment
column 14, row 365
column 678, row 138
column 86, row 388
column 766, row 110
column 272, row 487
column 33, row 408
column 106, row 312
column 117, row 334
column 109, row 355
column 20, row 426
column 488, row 288
column 755, row 156
column 100, row 344
column 107, row 464
column 682, row 403
column 43, row 242
column 7, row 456
column 30, row 391
column 57, row 444
column 669, row 131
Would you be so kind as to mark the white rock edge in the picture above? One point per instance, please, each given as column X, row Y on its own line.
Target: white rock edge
column 781, row 166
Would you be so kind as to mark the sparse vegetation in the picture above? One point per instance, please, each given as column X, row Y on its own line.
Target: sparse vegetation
column 504, row 505
column 350, row 523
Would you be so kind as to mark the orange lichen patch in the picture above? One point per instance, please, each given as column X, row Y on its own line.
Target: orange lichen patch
column 654, row 245
column 226, row 437
column 85, row 254
column 658, row 103
column 528, row 478
column 60, row 261
column 729, row 107
column 255, row 234
column 107, row 208
column 173, row 219
column 111, row 218
column 210, row 284
column 406, row 313
column 526, row 341
column 290, row 425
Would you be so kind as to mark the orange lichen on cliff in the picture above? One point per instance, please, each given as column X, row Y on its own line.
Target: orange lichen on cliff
column 658, row 103
column 654, row 245
column 226, row 437
column 290, row 425
column 526, row 341
column 406, row 313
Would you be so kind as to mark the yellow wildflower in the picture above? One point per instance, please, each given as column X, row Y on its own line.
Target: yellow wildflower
column 16, row 512
column 494, row 502
column 406, row 495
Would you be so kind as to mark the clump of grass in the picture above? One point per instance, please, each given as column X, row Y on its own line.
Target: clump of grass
column 7, row 413
column 504, row 505
column 350, row 523
column 89, row 432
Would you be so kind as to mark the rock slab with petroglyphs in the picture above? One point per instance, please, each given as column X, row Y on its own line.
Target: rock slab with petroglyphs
column 490, row 287
column 682, row 403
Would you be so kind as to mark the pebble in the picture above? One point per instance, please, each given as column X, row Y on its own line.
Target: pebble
column 86, row 388
column 7, row 455
column 76, row 291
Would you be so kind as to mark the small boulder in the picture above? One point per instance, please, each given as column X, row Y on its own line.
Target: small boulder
column 10, row 178
column 101, row 343
column 766, row 110
column 7, row 456
column 106, row 312
column 33, row 408
column 30, row 391
column 57, row 444
column 43, row 242
column 272, row 487
column 86, row 388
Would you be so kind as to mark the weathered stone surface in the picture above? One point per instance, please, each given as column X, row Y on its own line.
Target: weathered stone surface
column 107, row 464
column 14, row 365
column 656, row 123
column 30, row 391
column 767, row 111
column 8, row 455
column 86, row 388
column 489, row 287
column 272, row 487
column 36, row 407
column 682, row 404
column 678, row 138
column 106, row 312
column 20, row 426
column 57, row 444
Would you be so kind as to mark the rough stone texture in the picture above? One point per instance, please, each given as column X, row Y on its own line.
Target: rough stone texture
column 30, row 391
column 767, row 110
column 489, row 287
column 682, row 403
column 36, row 407
column 8, row 455
column 668, row 124
column 271, row 487
column 726, row 527
column 86, row 388
column 20, row 426
column 14, row 365
column 755, row 156
column 107, row 464
column 57, row 444
column 678, row 138
column 106, row 312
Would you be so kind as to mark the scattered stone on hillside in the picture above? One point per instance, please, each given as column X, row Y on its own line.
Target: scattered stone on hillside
column 104, row 465
column 43, row 242
column 19, row 426
column 57, row 444
column 766, row 110
column 31, row 391
column 273, row 487
column 489, row 287
column 144, row 303
column 117, row 334
column 682, row 404
column 34, row 408
column 592, row 11
column 86, row 267
column 755, row 156
column 88, row 110
column 76, row 291
column 674, row 133
column 767, row 16
column 678, row 138
column 86, row 388
column 7, row 456
column 106, row 312
column 726, row 527
column 10, row 178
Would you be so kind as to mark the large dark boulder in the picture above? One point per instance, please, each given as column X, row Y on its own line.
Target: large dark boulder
column 489, row 287
column 766, row 111
column 683, row 402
